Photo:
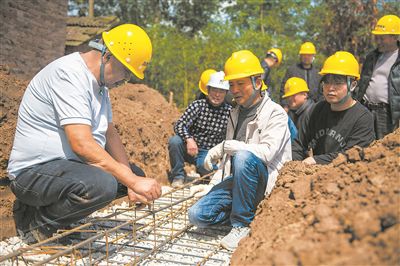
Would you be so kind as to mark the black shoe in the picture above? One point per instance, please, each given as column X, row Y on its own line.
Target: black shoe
column 23, row 215
column 41, row 233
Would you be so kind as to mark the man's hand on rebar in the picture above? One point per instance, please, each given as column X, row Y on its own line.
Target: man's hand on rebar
column 144, row 190
column 213, row 155
column 199, row 191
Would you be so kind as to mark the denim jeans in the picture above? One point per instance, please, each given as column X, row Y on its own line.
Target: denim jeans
column 178, row 156
column 63, row 192
column 235, row 199
column 382, row 122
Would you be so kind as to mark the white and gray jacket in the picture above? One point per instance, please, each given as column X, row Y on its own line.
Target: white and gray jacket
column 267, row 137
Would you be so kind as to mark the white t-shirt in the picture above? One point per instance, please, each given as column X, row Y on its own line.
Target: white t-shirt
column 64, row 92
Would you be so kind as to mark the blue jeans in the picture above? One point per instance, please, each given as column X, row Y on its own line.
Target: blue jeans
column 235, row 199
column 178, row 156
column 62, row 192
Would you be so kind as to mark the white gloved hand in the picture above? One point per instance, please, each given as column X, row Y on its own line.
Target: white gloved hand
column 232, row 146
column 199, row 191
column 213, row 155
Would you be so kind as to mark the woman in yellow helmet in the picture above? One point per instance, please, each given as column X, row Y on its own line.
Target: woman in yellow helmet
column 338, row 123
column 201, row 127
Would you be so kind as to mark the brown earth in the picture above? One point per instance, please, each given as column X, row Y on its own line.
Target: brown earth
column 142, row 116
column 344, row 213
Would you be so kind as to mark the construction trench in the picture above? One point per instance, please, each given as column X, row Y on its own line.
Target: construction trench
column 156, row 234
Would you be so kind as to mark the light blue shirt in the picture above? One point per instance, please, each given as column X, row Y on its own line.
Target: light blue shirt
column 64, row 92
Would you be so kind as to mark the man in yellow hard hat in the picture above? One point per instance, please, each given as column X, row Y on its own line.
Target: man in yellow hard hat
column 257, row 145
column 75, row 162
column 306, row 70
column 201, row 127
column 296, row 94
column 273, row 58
column 338, row 123
column 379, row 87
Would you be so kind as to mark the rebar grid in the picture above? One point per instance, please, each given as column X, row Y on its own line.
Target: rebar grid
column 132, row 235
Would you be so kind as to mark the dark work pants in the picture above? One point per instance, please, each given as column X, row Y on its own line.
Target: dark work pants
column 63, row 192
column 382, row 122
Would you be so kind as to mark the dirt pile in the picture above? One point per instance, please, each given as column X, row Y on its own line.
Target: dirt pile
column 345, row 213
column 143, row 118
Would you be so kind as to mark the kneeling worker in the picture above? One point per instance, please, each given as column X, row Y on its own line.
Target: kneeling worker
column 257, row 145
column 201, row 127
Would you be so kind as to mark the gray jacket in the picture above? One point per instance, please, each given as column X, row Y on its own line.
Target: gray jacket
column 393, row 82
column 267, row 137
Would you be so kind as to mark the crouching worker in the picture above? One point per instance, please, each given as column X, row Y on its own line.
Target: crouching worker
column 67, row 159
column 257, row 145
column 201, row 127
column 339, row 122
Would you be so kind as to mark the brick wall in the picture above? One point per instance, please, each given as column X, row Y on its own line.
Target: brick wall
column 32, row 33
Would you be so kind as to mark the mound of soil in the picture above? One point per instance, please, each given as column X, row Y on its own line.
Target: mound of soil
column 143, row 118
column 344, row 213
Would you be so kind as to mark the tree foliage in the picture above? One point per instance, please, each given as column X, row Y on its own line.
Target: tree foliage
column 190, row 36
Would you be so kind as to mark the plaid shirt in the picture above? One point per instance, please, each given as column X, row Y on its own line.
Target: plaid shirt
column 204, row 123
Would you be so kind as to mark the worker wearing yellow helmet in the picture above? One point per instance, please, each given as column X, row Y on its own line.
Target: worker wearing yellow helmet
column 201, row 127
column 273, row 58
column 296, row 94
column 257, row 145
column 75, row 162
column 379, row 86
column 204, row 78
column 338, row 123
column 305, row 69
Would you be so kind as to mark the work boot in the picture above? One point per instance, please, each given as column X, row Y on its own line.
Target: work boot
column 231, row 240
column 23, row 214
column 41, row 233
column 177, row 182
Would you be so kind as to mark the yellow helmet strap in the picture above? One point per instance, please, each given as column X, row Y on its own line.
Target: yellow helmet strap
column 253, row 95
column 349, row 89
column 103, row 49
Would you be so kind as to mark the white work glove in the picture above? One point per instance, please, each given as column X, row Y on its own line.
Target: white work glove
column 199, row 191
column 232, row 146
column 213, row 155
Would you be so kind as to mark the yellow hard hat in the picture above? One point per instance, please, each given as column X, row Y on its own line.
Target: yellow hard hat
column 278, row 54
column 295, row 85
column 341, row 63
column 131, row 46
column 389, row 24
column 204, row 78
column 307, row 48
column 242, row 64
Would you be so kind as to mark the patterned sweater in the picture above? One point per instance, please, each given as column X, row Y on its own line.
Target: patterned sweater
column 204, row 123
